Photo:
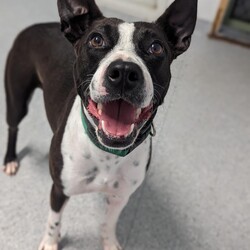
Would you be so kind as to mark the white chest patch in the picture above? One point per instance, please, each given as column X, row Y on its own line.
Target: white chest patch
column 87, row 168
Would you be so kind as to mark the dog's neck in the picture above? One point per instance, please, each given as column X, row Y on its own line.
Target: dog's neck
column 145, row 132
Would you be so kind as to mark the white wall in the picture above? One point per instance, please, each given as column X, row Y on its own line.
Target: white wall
column 208, row 9
column 146, row 10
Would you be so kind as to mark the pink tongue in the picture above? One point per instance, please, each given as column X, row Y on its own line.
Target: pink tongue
column 118, row 116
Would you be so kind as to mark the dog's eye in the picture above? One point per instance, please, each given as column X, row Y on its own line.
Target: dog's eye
column 156, row 49
column 97, row 42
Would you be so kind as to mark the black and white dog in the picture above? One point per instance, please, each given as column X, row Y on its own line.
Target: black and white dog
column 101, row 96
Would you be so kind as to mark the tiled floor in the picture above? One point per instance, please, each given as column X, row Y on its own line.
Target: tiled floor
column 197, row 194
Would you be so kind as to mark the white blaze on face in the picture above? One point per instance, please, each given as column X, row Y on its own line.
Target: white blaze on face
column 124, row 50
column 126, row 34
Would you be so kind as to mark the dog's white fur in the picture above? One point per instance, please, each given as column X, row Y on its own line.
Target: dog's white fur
column 11, row 168
column 81, row 156
column 52, row 232
column 89, row 169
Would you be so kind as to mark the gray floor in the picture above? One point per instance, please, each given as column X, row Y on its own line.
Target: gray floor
column 197, row 194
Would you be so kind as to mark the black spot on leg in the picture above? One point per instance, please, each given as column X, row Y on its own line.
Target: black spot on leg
column 116, row 184
column 136, row 163
column 108, row 201
column 52, row 227
column 90, row 179
column 86, row 156
column 108, row 157
column 134, row 183
column 57, row 224
column 50, row 234
column 91, row 175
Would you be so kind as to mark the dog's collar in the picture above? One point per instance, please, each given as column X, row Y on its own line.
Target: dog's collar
column 147, row 130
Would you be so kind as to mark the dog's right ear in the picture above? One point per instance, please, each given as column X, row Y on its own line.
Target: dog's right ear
column 76, row 16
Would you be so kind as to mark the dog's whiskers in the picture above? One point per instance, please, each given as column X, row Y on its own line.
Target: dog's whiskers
column 90, row 75
column 158, row 85
column 86, row 91
column 88, row 81
column 157, row 96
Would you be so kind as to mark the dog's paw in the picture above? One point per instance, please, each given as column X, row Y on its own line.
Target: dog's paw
column 11, row 168
column 111, row 246
column 44, row 246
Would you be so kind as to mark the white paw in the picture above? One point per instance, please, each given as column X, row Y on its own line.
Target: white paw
column 111, row 246
column 11, row 168
column 44, row 246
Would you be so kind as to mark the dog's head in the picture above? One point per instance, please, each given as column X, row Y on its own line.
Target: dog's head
column 122, row 70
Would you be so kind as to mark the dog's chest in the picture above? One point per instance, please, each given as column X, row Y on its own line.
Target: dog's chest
column 86, row 168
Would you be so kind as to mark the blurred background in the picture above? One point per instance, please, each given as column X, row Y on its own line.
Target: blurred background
column 197, row 192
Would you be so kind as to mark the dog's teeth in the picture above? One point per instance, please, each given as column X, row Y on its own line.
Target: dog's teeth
column 132, row 128
column 99, row 108
column 138, row 112
column 103, row 126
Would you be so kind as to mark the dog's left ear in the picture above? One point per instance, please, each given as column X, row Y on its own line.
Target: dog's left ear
column 76, row 16
column 178, row 23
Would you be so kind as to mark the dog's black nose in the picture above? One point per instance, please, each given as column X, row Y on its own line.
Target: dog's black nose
column 125, row 75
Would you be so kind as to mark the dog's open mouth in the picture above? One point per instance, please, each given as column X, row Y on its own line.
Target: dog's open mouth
column 118, row 119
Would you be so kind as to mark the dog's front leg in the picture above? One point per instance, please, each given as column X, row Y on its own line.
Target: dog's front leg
column 52, row 233
column 115, row 205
